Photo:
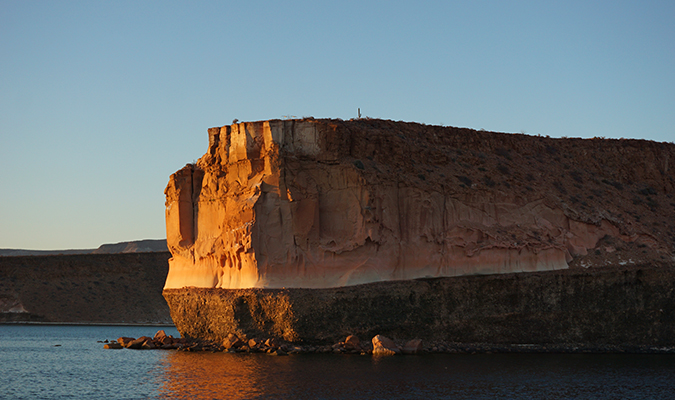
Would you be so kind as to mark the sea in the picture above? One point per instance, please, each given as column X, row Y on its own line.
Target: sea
column 69, row 362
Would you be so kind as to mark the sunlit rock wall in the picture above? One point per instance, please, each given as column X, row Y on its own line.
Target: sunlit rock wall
column 323, row 203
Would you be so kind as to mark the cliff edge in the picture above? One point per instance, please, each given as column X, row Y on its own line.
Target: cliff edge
column 329, row 203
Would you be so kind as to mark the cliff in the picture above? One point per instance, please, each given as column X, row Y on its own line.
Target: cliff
column 88, row 288
column 331, row 203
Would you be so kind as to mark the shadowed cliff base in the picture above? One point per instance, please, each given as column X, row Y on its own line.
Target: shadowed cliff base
column 632, row 306
column 91, row 288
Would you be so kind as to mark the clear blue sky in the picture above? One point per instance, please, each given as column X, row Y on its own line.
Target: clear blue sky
column 100, row 101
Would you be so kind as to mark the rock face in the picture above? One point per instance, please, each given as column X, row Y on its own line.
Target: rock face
column 330, row 203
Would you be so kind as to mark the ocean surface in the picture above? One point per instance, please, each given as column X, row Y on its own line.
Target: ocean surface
column 66, row 362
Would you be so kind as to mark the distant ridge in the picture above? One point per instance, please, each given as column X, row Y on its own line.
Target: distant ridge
column 136, row 246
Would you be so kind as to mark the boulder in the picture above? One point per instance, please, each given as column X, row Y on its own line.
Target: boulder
column 352, row 343
column 124, row 341
column 383, row 346
column 138, row 343
column 232, row 341
column 113, row 345
column 412, row 347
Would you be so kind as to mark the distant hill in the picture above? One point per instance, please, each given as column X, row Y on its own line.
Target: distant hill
column 137, row 246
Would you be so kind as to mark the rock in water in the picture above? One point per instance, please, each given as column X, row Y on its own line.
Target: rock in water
column 413, row 347
column 383, row 346
column 352, row 343
column 125, row 341
column 232, row 341
column 321, row 204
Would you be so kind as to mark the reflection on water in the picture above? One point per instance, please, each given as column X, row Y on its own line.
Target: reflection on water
column 215, row 375
column 253, row 376
column 247, row 376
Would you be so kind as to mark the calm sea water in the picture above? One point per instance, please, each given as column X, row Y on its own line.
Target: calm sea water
column 66, row 362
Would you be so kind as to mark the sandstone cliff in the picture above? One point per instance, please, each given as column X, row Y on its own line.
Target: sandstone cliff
column 329, row 203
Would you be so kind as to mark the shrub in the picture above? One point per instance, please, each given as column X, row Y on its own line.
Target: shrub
column 647, row 191
column 465, row 180
column 502, row 152
column 617, row 185
column 576, row 175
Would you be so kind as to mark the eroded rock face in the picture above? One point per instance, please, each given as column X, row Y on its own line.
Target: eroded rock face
column 327, row 203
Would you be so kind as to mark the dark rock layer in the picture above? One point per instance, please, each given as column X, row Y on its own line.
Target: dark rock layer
column 614, row 306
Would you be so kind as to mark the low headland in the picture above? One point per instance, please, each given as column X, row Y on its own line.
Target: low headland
column 85, row 289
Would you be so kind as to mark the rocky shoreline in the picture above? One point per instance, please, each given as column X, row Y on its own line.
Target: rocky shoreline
column 378, row 346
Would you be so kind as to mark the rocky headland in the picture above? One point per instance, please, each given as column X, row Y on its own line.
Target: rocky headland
column 312, row 230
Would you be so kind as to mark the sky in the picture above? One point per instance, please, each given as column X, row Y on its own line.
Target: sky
column 101, row 101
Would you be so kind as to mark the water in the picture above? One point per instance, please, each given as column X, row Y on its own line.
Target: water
column 65, row 362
